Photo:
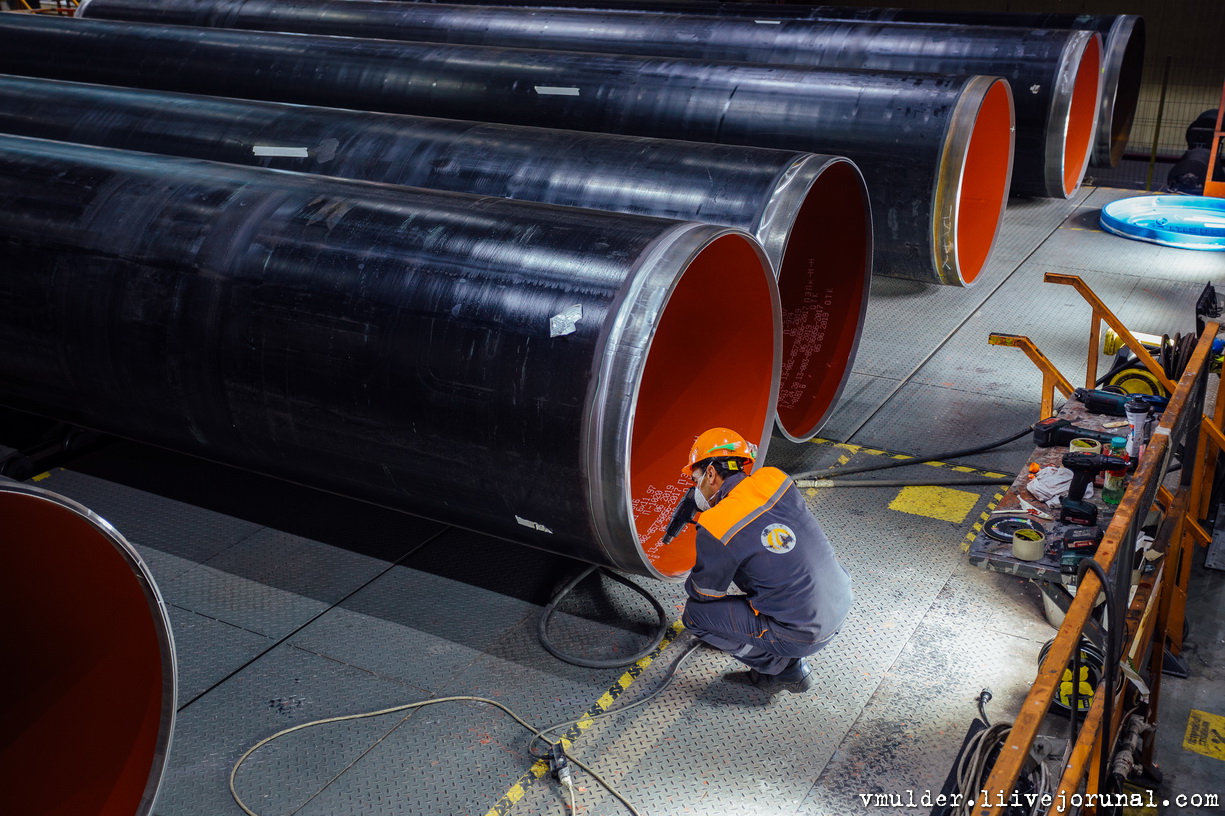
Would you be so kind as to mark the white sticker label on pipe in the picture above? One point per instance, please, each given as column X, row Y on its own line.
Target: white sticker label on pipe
column 566, row 322
column 284, row 152
column 533, row 525
column 553, row 90
column 768, row 22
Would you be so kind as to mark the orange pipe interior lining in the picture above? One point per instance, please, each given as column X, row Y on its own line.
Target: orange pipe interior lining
column 1082, row 114
column 823, row 282
column 85, row 707
column 984, row 182
column 710, row 364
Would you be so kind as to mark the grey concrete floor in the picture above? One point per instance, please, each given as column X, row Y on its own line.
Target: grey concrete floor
column 289, row 606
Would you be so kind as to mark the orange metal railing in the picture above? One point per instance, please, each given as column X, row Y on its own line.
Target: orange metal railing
column 1155, row 613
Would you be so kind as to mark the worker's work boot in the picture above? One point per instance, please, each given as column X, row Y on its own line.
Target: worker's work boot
column 796, row 678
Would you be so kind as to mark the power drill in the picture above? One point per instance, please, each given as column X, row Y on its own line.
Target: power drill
column 1054, row 432
column 1084, row 466
column 685, row 510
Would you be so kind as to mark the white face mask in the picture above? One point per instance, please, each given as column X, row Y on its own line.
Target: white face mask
column 702, row 502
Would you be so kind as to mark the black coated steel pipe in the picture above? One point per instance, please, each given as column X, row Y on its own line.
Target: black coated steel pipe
column 1123, row 38
column 1058, row 70
column 1123, row 41
column 810, row 212
column 935, row 151
column 90, row 701
column 525, row 370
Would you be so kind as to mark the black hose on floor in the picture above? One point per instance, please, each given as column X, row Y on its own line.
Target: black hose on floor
column 542, row 630
column 893, row 463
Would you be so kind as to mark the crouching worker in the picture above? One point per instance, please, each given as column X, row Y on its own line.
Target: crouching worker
column 756, row 531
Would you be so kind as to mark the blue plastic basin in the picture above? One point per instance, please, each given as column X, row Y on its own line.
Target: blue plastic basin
column 1185, row 222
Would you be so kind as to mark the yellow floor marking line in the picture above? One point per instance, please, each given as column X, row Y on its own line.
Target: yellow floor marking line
column 990, row 474
column 842, row 460
column 1205, row 734
column 977, row 527
column 541, row 768
column 943, row 503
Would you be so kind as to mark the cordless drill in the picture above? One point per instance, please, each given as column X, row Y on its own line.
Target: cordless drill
column 1054, row 432
column 682, row 515
column 1084, row 466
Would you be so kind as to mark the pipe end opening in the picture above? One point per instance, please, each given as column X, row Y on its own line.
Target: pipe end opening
column 1126, row 44
column 712, row 362
column 983, row 188
column 1082, row 115
column 823, row 286
column 99, row 666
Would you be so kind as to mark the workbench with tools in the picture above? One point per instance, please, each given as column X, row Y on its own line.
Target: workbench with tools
column 1060, row 534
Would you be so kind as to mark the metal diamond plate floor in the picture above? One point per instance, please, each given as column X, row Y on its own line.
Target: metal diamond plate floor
column 290, row 606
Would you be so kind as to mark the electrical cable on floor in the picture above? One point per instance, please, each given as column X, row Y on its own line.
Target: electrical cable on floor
column 406, row 707
column 914, row 460
column 542, row 629
column 668, row 678
column 974, row 480
column 978, row 757
column 557, row 756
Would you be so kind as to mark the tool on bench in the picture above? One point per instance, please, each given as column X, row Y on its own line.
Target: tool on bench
column 1055, row 432
column 1112, row 404
column 1084, row 467
column 1026, row 509
column 1003, row 529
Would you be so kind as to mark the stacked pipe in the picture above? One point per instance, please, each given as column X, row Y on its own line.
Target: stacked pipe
column 1123, row 38
column 935, row 150
column 809, row 212
column 1058, row 69
column 525, row 370
column 90, row 700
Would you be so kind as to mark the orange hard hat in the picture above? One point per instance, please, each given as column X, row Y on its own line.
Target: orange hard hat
column 719, row 442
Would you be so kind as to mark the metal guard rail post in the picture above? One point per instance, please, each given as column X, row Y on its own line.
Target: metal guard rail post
column 1051, row 378
column 1183, row 414
column 1100, row 313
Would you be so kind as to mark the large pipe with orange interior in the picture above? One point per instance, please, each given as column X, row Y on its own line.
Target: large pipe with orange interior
column 809, row 212
column 89, row 712
column 528, row 371
column 1054, row 73
column 935, row 151
column 1123, row 42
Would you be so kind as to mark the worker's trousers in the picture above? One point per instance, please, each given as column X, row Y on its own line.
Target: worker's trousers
column 731, row 625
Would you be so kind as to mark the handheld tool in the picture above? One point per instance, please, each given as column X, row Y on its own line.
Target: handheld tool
column 1084, row 467
column 685, row 510
column 1026, row 509
column 1054, row 432
column 1110, row 403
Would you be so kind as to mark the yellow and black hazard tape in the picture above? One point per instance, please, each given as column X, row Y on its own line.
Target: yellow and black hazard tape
column 540, row 768
column 853, row 449
column 975, row 528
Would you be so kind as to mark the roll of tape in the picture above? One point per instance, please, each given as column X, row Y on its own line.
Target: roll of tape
column 1082, row 445
column 1028, row 544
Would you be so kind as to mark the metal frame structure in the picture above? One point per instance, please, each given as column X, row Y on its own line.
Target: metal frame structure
column 1216, row 189
column 1154, row 615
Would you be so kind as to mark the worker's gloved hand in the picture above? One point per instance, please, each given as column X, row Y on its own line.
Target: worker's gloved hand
column 1050, row 483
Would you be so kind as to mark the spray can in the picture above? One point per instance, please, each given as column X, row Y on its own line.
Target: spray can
column 1114, row 482
column 1137, row 412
